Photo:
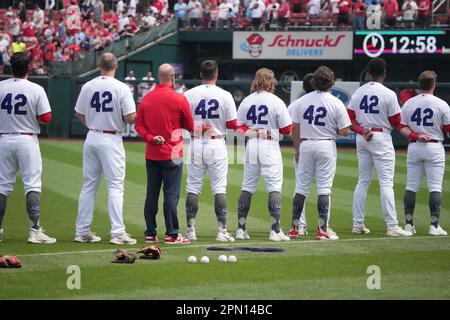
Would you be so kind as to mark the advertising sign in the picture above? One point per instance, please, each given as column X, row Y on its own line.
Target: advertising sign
column 306, row 45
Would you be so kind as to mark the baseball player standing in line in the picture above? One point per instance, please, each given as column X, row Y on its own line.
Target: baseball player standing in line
column 299, row 227
column 374, row 110
column 104, row 106
column 262, row 116
column 23, row 106
column 425, row 119
column 318, row 118
column 214, row 112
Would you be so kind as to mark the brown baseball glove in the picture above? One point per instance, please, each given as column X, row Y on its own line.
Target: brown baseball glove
column 150, row 252
column 9, row 262
column 122, row 256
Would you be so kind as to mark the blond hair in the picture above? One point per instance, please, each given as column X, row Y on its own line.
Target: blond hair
column 264, row 81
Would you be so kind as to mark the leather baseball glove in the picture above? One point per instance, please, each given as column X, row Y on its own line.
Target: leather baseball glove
column 9, row 262
column 122, row 256
column 150, row 252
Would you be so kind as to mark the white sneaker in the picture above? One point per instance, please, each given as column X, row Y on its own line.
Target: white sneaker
column 224, row 236
column 360, row 230
column 123, row 239
column 302, row 231
column 242, row 235
column 90, row 237
column 1, row 234
column 280, row 236
column 38, row 237
column 398, row 232
column 328, row 235
column 332, row 233
column 410, row 228
column 190, row 234
column 437, row 231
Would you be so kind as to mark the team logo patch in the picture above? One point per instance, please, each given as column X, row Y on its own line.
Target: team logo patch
column 253, row 45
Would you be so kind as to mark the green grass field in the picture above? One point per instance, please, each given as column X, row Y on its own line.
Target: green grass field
column 414, row 268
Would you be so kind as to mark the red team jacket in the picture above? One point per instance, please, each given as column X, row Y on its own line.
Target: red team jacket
column 164, row 112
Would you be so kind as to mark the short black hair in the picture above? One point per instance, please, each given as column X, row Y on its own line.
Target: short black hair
column 19, row 64
column 208, row 69
column 377, row 67
column 307, row 82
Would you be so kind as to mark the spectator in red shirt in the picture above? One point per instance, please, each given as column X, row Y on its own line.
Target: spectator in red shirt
column 423, row 12
column 283, row 14
column 49, row 50
column 407, row 93
column 344, row 12
column 161, row 117
column 390, row 8
column 359, row 13
column 158, row 5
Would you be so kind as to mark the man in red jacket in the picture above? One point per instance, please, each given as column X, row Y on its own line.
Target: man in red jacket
column 162, row 115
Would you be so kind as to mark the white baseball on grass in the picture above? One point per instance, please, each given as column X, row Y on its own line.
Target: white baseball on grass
column 204, row 259
column 232, row 259
column 222, row 258
column 192, row 259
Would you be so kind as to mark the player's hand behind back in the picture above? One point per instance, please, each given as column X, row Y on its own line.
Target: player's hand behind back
column 367, row 134
column 424, row 138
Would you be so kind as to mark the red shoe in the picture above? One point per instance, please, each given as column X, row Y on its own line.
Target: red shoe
column 293, row 233
column 177, row 240
column 151, row 239
column 329, row 235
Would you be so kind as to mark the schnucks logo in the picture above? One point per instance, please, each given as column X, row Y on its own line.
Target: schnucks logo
column 253, row 45
column 319, row 42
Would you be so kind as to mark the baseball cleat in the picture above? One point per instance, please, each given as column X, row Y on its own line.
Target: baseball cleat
column 328, row 235
column 302, row 231
column 177, row 240
column 410, row 228
column 398, row 232
column 123, row 239
column 360, row 230
column 88, row 238
column 1, row 234
column 278, row 236
column 151, row 239
column 437, row 231
column 224, row 236
column 190, row 234
column 293, row 233
column 39, row 237
column 242, row 235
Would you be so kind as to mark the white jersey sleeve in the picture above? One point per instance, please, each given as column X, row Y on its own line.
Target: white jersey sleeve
column 230, row 107
column 127, row 102
column 392, row 104
column 81, row 105
column 283, row 117
column 21, row 102
column 342, row 118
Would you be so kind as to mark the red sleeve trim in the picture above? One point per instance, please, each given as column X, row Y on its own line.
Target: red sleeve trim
column 242, row 129
column 352, row 116
column 413, row 136
column 395, row 121
column 232, row 124
column 286, row 130
column 45, row 118
column 401, row 126
column 446, row 128
column 358, row 129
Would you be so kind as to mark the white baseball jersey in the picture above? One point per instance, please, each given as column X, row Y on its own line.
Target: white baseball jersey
column 373, row 104
column 426, row 114
column 211, row 107
column 263, row 110
column 104, row 101
column 319, row 114
column 21, row 102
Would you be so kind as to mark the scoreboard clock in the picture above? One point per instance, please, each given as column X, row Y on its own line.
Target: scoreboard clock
column 404, row 43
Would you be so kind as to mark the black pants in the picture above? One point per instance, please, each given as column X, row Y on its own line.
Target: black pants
column 168, row 173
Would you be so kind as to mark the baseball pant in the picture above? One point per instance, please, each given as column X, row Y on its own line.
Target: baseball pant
column 317, row 160
column 207, row 155
column 302, row 221
column 167, row 173
column 379, row 153
column 428, row 158
column 263, row 158
column 102, row 153
column 20, row 153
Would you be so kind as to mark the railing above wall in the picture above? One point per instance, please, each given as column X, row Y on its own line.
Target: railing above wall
column 120, row 48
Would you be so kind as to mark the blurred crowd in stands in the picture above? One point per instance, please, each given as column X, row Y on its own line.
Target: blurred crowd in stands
column 284, row 14
column 66, row 30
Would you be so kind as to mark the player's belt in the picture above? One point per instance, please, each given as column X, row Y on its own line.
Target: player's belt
column 105, row 131
column 206, row 137
column 18, row 133
column 306, row 139
column 377, row 129
column 432, row 141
